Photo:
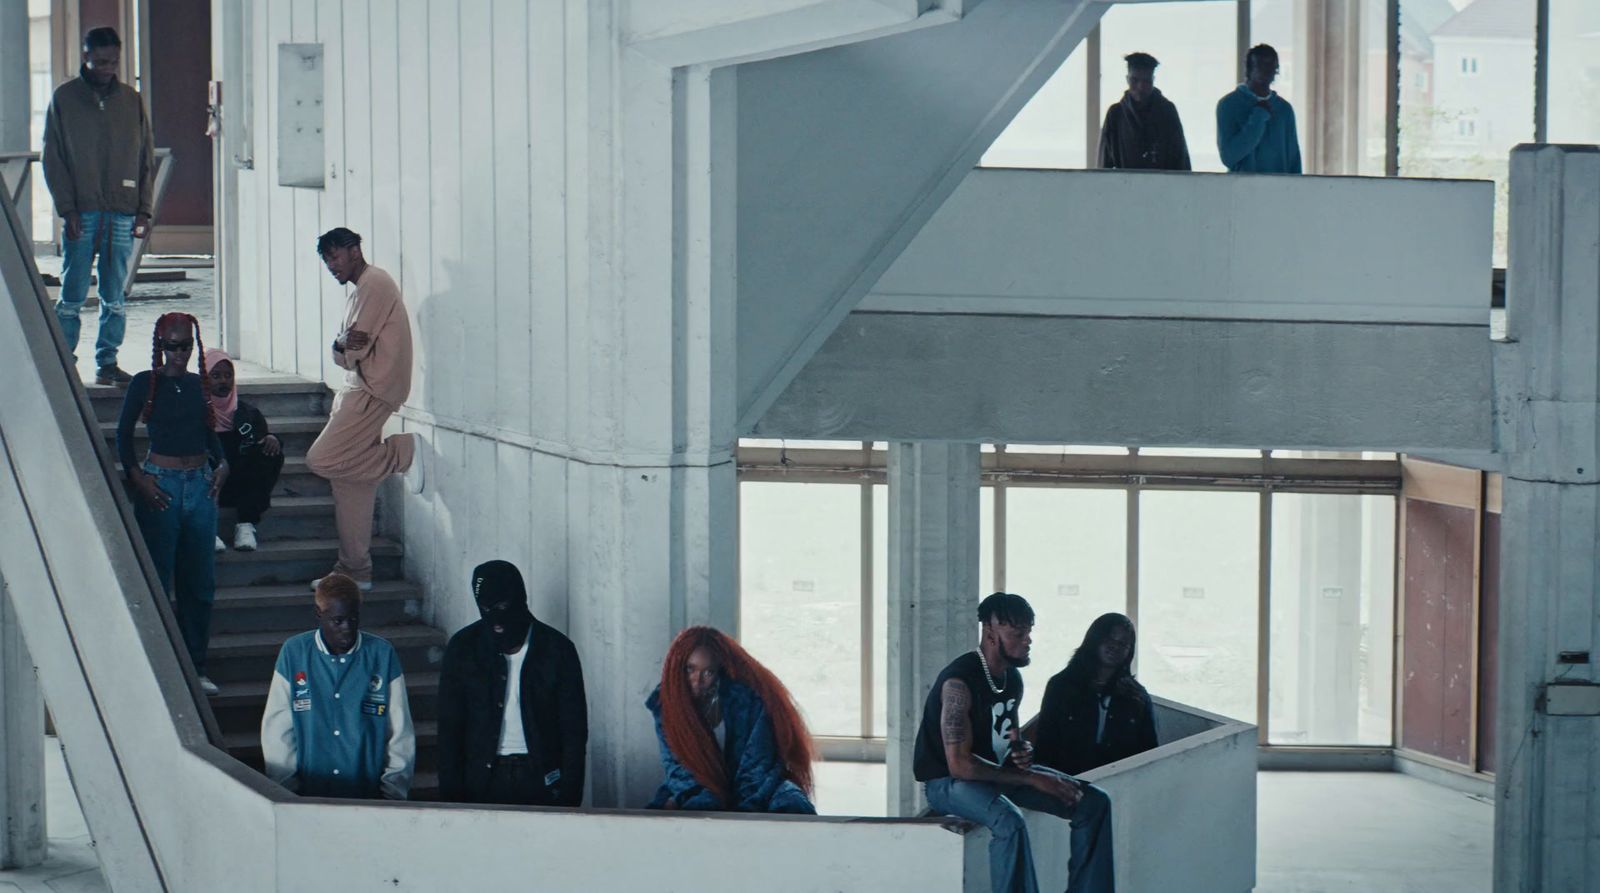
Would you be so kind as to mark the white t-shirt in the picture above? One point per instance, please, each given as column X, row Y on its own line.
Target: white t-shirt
column 512, row 739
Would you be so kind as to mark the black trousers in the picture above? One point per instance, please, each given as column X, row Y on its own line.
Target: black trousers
column 514, row 780
column 251, row 477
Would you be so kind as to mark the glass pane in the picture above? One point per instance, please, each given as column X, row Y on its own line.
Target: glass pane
column 1049, row 131
column 986, row 581
column 1195, row 43
column 880, row 610
column 41, row 84
column 1066, row 553
column 1574, row 115
column 800, row 594
column 1332, row 673
column 800, row 444
column 1203, row 453
column 1065, row 449
column 1198, row 599
column 1466, row 92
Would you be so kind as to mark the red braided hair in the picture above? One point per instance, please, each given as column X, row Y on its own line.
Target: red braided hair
column 686, row 733
column 157, row 361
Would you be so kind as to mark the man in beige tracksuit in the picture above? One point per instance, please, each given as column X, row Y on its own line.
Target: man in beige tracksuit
column 351, row 452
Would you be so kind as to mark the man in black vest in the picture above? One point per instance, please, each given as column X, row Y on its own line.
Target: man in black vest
column 971, row 756
column 513, row 721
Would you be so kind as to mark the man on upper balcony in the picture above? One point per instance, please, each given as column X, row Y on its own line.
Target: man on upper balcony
column 1255, row 126
column 1142, row 130
column 99, row 164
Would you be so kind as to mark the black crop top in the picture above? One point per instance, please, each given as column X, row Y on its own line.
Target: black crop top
column 177, row 422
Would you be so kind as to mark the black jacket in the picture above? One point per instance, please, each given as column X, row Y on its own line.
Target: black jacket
column 555, row 714
column 1070, row 715
column 1148, row 138
column 249, row 429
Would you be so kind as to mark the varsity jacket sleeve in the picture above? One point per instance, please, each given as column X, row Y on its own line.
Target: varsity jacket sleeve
column 453, row 721
column 760, row 771
column 57, row 169
column 401, row 761
column 279, row 749
column 574, row 709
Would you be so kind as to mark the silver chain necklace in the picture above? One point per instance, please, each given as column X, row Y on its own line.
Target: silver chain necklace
column 987, row 676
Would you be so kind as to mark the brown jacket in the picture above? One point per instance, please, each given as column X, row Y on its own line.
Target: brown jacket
column 99, row 152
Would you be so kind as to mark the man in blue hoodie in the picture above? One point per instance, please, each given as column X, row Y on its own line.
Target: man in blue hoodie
column 1255, row 126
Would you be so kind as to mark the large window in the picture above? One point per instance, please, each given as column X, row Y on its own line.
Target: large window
column 1574, row 71
column 1050, row 130
column 1332, row 628
column 1066, row 526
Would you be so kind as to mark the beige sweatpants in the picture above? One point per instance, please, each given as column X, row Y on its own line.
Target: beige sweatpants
column 353, row 455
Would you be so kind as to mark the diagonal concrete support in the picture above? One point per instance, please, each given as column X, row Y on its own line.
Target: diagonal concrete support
column 22, row 840
column 1547, row 813
column 933, row 588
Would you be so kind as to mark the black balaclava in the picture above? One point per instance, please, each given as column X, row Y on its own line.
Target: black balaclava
column 494, row 582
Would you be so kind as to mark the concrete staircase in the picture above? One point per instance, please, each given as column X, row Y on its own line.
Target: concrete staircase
column 262, row 596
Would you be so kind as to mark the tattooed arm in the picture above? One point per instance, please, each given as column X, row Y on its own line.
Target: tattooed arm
column 955, row 726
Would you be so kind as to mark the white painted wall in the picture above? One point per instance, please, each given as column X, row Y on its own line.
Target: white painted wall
column 1183, row 815
column 1218, row 246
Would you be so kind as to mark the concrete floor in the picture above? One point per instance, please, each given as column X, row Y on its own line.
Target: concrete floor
column 1320, row 832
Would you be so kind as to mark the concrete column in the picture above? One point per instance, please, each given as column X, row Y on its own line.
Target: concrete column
column 933, row 589
column 22, row 839
column 1332, row 111
column 1547, row 810
column 16, row 92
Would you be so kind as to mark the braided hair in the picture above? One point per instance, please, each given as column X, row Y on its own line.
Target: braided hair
column 157, row 361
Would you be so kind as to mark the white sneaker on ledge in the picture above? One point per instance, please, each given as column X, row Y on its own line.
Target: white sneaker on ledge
column 416, row 476
column 244, row 537
column 209, row 687
column 221, row 546
column 363, row 585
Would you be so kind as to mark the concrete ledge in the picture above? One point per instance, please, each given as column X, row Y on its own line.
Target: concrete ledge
column 1449, row 775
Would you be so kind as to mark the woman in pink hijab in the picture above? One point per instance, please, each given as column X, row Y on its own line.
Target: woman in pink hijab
column 254, row 454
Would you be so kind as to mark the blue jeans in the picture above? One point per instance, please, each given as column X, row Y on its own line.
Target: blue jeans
column 1010, row 854
column 111, row 237
column 181, row 540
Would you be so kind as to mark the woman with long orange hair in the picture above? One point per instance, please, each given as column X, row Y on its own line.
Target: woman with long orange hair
column 731, row 736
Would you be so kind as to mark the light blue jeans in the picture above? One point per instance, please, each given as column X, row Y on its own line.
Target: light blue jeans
column 1010, row 854
column 111, row 237
column 182, row 541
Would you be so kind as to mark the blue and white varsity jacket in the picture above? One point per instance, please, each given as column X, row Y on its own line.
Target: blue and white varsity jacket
column 339, row 725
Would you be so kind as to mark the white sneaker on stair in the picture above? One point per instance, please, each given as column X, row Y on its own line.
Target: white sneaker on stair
column 209, row 687
column 221, row 546
column 363, row 585
column 244, row 537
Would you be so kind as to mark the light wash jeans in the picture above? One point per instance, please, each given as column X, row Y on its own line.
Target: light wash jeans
column 1010, row 854
column 111, row 237
column 182, row 543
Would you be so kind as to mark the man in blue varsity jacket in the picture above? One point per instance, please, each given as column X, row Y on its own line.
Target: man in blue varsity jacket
column 337, row 722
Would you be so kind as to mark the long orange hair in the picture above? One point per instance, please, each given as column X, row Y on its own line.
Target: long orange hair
column 689, row 739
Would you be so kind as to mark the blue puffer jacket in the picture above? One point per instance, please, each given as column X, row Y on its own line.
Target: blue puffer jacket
column 760, row 780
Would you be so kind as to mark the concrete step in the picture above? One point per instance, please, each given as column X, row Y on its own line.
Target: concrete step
column 245, row 746
column 297, row 480
column 290, row 518
column 275, row 397
column 289, row 606
column 238, row 708
column 296, row 433
column 250, row 656
column 291, row 561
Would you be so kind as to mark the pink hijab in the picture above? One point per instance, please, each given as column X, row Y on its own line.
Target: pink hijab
column 222, row 407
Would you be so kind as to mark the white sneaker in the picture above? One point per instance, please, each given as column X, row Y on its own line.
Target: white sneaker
column 221, row 546
column 244, row 537
column 363, row 585
column 416, row 476
column 209, row 687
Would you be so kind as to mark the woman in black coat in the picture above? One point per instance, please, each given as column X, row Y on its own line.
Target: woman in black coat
column 1094, row 711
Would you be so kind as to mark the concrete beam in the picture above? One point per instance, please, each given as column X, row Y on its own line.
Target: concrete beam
column 1144, row 382
column 677, row 33
column 1547, row 808
column 933, row 589
column 22, row 839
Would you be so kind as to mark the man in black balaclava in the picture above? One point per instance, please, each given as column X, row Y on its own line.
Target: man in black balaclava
column 513, row 722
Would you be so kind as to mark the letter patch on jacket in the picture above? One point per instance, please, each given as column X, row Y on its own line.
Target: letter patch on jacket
column 372, row 709
column 301, row 705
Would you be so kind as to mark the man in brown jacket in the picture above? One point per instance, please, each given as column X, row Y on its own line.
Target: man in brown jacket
column 99, row 164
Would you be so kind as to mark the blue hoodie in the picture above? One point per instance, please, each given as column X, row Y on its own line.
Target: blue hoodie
column 1251, row 138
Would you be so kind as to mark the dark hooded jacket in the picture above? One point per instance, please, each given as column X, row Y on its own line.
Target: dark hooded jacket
column 555, row 713
column 1143, row 137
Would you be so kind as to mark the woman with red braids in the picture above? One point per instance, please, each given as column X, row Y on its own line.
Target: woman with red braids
column 731, row 736
column 176, row 486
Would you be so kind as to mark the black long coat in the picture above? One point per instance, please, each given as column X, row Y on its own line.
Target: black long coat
column 1144, row 138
